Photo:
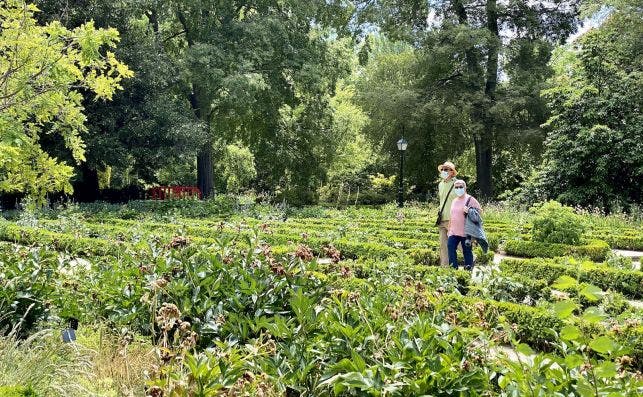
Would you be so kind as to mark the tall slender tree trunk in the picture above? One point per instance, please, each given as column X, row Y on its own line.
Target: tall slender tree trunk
column 484, row 141
column 205, row 170
column 204, row 157
column 204, row 163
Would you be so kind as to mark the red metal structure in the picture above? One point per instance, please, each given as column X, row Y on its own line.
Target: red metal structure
column 173, row 192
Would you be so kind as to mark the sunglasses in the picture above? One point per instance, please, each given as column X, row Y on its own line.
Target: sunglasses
column 446, row 169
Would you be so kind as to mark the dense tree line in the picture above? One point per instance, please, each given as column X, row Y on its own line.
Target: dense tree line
column 307, row 99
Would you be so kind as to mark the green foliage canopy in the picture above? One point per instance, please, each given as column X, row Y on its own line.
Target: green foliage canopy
column 42, row 72
column 594, row 148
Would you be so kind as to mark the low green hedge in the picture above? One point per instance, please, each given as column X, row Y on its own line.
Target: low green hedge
column 351, row 249
column 63, row 242
column 627, row 282
column 536, row 326
column 596, row 250
column 424, row 256
column 625, row 242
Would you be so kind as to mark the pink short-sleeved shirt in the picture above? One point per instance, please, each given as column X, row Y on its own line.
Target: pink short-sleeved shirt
column 456, row 224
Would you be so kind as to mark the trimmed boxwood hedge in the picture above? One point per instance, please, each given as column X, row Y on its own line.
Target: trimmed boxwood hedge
column 535, row 325
column 627, row 282
column 596, row 250
column 625, row 242
column 63, row 242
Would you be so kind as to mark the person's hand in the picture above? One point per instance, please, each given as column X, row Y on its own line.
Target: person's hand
column 466, row 209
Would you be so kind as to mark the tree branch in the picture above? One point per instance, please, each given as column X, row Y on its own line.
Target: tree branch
column 174, row 36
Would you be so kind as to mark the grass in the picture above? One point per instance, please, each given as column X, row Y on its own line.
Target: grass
column 119, row 362
column 43, row 362
column 98, row 364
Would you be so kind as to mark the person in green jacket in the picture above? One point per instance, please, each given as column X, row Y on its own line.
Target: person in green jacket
column 446, row 194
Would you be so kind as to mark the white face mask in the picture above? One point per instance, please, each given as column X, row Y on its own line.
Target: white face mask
column 459, row 191
column 444, row 174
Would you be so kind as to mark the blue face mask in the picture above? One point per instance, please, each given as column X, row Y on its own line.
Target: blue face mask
column 459, row 191
column 444, row 174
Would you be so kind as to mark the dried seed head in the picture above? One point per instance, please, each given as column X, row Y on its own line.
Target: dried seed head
column 304, row 253
column 178, row 242
column 333, row 253
column 353, row 297
column 155, row 391
column 185, row 326
column 159, row 283
column 585, row 368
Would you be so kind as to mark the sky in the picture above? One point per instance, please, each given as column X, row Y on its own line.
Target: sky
column 595, row 21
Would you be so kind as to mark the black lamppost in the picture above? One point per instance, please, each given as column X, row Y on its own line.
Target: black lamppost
column 401, row 146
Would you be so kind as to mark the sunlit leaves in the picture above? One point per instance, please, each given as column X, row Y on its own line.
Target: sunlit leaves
column 603, row 344
column 565, row 308
column 41, row 68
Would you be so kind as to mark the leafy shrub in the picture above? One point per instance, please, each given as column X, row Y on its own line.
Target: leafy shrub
column 618, row 261
column 555, row 223
column 362, row 189
column 614, row 303
column 481, row 257
column 515, row 288
column 25, row 286
column 493, row 241
column 596, row 250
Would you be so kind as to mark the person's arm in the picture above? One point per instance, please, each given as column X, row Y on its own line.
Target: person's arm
column 472, row 204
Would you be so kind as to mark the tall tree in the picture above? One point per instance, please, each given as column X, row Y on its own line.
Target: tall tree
column 146, row 126
column 594, row 149
column 242, row 62
column 476, row 35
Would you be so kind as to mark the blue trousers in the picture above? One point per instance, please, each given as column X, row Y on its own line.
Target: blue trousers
column 452, row 245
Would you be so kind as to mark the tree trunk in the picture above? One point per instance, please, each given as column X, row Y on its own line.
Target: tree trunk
column 204, row 164
column 86, row 189
column 473, row 68
column 484, row 153
column 484, row 141
column 205, row 170
column 481, row 140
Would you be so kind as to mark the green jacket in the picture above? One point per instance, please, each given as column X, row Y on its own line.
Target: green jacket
column 443, row 189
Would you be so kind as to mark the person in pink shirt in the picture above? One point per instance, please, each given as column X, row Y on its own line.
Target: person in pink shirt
column 459, row 209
